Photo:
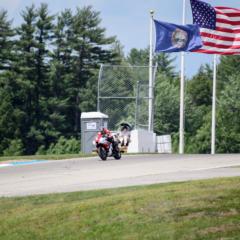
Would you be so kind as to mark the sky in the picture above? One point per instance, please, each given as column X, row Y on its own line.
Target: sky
column 128, row 20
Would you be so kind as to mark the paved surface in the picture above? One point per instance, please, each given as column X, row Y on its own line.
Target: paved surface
column 91, row 173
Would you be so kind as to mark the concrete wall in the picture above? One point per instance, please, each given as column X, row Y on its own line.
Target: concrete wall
column 164, row 144
column 142, row 141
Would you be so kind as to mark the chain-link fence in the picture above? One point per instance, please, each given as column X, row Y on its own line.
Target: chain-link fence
column 123, row 94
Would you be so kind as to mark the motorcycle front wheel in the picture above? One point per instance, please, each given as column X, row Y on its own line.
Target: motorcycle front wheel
column 102, row 153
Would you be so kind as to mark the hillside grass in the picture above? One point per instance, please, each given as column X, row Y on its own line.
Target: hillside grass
column 208, row 209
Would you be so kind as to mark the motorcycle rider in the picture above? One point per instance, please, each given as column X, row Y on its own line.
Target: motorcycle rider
column 107, row 133
column 107, row 145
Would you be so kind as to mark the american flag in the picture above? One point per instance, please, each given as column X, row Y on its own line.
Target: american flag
column 219, row 28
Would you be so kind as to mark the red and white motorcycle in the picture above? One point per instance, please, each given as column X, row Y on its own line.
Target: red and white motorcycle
column 107, row 148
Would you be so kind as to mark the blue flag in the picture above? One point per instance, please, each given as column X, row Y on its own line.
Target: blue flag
column 177, row 38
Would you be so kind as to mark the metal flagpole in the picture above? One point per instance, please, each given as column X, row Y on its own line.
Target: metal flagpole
column 150, row 109
column 181, row 127
column 214, row 104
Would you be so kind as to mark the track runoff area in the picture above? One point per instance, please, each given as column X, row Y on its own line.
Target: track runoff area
column 42, row 177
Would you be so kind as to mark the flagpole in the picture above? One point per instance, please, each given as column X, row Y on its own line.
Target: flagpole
column 181, row 127
column 150, row 109
column 213, row 135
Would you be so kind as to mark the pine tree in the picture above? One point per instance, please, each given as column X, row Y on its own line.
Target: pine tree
column 89, row 46
column 8, row 126
column 6, row 41
column 61, row 75
column 32, row 75
column 140, row 57
column 6, row 112
column 43, row 130
column 25, row 69
column 43, row 36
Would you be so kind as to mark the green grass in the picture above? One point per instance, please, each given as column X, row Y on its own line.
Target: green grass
column 208, row 209
column 56, row 157
column 47, row 157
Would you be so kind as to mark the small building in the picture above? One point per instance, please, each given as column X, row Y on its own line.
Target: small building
column 91, row 124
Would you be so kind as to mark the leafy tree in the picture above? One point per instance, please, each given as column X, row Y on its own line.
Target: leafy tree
column 166, row 106
column 228, row 67
column 65, row 146
column 15, row 148
column 228, row 128
column 201, row 141
column 200, row 87
column 198, row 100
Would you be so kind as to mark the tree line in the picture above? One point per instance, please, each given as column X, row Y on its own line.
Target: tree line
column 48, row 75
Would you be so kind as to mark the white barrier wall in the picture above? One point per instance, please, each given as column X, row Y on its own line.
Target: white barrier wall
column 142, row 141
column 164, row 144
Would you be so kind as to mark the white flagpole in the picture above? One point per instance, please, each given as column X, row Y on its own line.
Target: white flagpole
column 213, row 140
column 150, row 109
column 181, row 127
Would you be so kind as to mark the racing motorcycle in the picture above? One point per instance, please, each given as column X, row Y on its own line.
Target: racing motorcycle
column 106, row 148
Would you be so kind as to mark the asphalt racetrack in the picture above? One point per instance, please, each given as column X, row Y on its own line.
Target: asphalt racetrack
column 92, row 173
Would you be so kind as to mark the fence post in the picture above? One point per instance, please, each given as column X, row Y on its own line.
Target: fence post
column 137, row 105
column 98, row 93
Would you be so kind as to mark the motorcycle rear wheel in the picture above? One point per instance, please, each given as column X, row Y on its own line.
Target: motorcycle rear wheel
column 117, row 154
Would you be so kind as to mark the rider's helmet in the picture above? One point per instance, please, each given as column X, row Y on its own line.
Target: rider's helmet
column 105, row 131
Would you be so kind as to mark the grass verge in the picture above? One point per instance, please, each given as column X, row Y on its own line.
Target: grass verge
column 56, row 157
column 47, row 157
column 208, row 209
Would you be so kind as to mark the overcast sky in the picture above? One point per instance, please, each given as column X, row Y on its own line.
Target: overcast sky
column 127, row 19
